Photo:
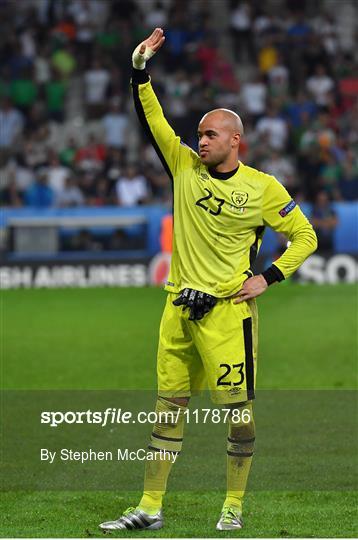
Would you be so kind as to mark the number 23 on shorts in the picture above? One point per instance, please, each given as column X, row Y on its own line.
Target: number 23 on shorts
column 232, row 374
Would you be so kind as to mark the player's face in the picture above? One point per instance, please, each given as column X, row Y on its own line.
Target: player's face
column 216, row 140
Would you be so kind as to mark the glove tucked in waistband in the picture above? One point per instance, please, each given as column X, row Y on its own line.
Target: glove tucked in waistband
column 198, row 302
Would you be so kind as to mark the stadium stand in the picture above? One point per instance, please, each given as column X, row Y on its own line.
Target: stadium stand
column 69, row 135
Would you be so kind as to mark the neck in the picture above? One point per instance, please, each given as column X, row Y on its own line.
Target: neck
column 227, row 166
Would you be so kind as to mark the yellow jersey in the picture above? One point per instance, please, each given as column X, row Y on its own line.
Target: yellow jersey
column 219, row 221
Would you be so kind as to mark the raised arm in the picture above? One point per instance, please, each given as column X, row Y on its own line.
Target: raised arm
column 174, row 155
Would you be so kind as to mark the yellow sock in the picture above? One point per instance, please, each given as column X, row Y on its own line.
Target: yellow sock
column 240, row 448
column 167, row 436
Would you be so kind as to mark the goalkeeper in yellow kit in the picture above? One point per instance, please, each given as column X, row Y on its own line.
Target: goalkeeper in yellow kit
column 208, row 332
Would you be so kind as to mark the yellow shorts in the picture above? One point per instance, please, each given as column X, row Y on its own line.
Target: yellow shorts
column 217, row 353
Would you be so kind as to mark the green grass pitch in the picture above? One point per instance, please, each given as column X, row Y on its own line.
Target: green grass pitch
column 107, row 338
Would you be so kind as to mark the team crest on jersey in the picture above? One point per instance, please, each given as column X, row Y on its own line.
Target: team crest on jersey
column 239, row 198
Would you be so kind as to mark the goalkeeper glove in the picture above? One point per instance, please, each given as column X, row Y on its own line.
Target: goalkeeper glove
column 198, row 302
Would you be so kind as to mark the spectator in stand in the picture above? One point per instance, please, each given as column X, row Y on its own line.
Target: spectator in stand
column 113, row 167
column 10, row 195
column 298, row 132
column 36, row 148
column 40, row 194
column 117, row 82
column 36, row 118
column 348, row 184
column 253, row 97
column 314, row 55
column 120, row 65
column 56, row 173
column 299, row 31
column 224, row 78
column 55, row 90
column 325, row 27
column 248, row 142
column 278, row 77
column 16, row 170
column 241, row 31
column 281, row 167
column 109, row 38
column 65, row 30
column 336, row 109
column 92, row 156
column 177, row 89
column 150, row 159
column 88, row 187
column 23, row 91
column 274, row 127
column 309, row 164
column 156, row 17
column 299, row 106
column 42, row 69
column 346, row 25
column 206, row 55
column 115, row 124
column 132, row 188
column 160, row 187
column 96, row 81
column 324, row 221
column 11, row 123
column 326, row 135
column 28, row 43
column 84, row 18
column 102, row 193
column 266, row 25
column 16, row 61
column 177, row 37
column 68, row 153
column 319, row 85
column 330, row 175
column 267, row 57
column 201, row 99
column 64, row 60
column 70, row 195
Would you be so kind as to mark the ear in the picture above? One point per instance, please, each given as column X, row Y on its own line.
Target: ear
column 236, row 140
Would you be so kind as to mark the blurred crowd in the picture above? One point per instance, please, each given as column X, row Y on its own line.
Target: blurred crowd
column 68, row 132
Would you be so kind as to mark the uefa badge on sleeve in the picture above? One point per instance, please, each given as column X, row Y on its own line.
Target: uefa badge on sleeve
column 287, row 209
